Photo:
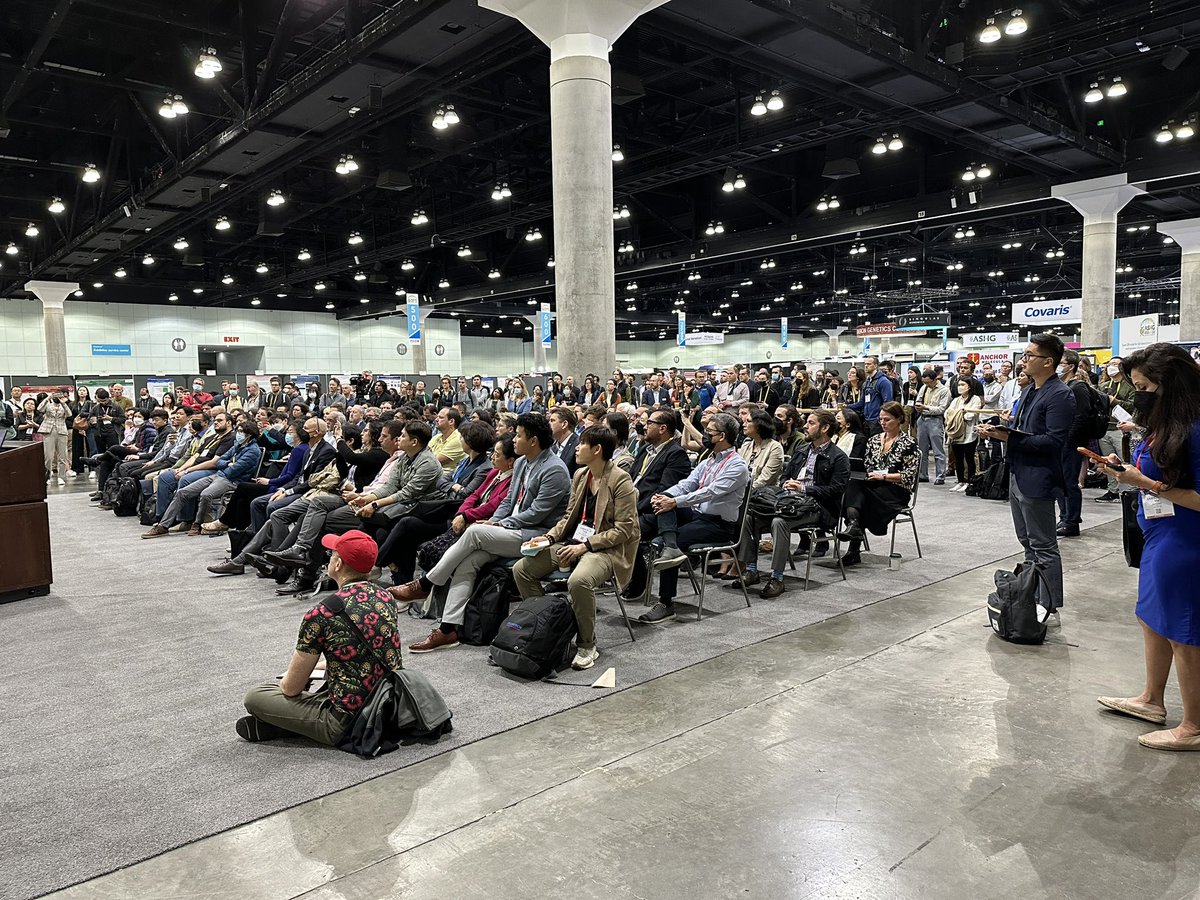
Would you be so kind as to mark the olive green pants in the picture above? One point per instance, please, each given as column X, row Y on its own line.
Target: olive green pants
column 588, row 575
column 311, row 715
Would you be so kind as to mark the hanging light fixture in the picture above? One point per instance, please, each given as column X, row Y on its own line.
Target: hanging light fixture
column 451, row 115
column 355, row 239
column 464, row 250
column 775, row 101
column 208, row 65
column 759, row 108
column 11, row 249
column 895, row 143
column 1094, row 94
column 990, row 33
column 56, row 206
column 444, row 283
column 222, row 224
column 147, row 260
column 408, row 265
column 319, row 286
column 618, row 155
column 226, row 279
column 166, row 110
column 1186, row 130
column 90, row 174
column 419, row 217
column 1017, row 24
column 262, row 268
column 494, row 274
column 360, row 276
column 276, row 198
column 439, row 119
column 880, row 147
column 1117, row 88
column 304, row 255
column 31, row 230
column 120, row 272
column 550, row 263
column 497, row 192
column 1165, row 134
column 180, row 243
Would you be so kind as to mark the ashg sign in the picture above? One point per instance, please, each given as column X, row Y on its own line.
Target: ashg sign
column 1048, row 312
column 991, row 339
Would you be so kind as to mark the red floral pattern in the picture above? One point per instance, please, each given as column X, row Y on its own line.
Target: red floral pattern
column 352, row 673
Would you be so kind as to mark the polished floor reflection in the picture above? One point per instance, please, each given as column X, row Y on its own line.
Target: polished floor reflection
column 895, row 751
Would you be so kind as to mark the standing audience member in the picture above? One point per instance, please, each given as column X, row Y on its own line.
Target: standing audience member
column 1037, row 458
column 1070, row 505
column 930, row 408
column 961, row 422
column 1120, row 392
column 54, row 411
column 1166, row 472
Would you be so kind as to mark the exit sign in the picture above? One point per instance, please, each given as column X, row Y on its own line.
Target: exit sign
column 231, row 340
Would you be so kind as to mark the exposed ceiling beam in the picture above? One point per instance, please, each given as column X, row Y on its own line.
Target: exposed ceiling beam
column 45, row 34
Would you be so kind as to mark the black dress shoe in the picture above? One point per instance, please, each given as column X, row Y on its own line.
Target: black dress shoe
column 851, row 559
column 296, row 586
column 748, row 580
column 266, row 568
column 291, row 558
column 1067, row 531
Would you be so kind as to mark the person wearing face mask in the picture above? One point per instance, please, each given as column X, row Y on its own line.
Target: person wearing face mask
column 764, row 391
column 1070, row 505
column 237, row 464
column 1038, row 455
column 233, row 398
column 133, row 460
column 252, row 503
column 145, row 403
column 336, row 629
column 194, row 400
column 1166, row 474
column 1119, row 391
column 961, row 437
column 212, row 443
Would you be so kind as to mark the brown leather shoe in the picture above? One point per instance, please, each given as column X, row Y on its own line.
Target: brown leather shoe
column 436, row 641
column 749, row 579
column 774, row 588
column 194, row 531
column 408, row 592
column 155, row 531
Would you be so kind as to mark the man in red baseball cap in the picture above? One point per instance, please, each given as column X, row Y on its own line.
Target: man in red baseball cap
column 355, row 630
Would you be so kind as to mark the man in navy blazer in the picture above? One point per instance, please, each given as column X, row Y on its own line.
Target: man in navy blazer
column 1038, row 453
column 655, row 393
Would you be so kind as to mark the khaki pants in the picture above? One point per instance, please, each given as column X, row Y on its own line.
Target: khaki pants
column 588, row 575
column 311, row 715
column 54, row 446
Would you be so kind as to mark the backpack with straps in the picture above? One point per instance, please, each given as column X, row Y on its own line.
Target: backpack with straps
column 1097, row 421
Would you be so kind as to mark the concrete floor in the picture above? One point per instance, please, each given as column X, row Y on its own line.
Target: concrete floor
column 896, row 751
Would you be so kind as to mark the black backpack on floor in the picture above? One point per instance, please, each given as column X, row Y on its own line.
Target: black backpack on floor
column 487, row 609
column 1013, row 606
column 108, row 494
column 127, row 500
column 536, row 637
column 148, row 514
column 991, row 484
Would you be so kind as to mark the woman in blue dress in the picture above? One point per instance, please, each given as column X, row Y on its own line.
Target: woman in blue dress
column 1166, row 472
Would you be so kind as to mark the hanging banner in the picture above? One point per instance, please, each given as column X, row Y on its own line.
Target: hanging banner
column 545, row 318
column 681, row 334
column 1048, row 312
column 413, row 313
column 883, row 329
column 705, row 338
column 783, row 335
column 991, row 339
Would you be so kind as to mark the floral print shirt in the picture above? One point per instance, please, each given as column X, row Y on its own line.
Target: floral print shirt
column 901, row 458
column 351, row 671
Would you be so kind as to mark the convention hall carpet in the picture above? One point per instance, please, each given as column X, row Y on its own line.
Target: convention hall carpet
column 123, row 685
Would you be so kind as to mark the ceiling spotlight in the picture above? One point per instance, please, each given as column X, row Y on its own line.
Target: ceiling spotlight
column 173, row 297
column 419, row 217
column 226, row 279
column 180, row 243
column 896, row 143
column 319, row 286
column 147, row 260
column 618, row 155
column 1094, row 94
column 90, row 174
column 444, row 283
column 880, row 147
column 208, row 65
column 360, row 276
column 262, row 268
column 304, row 255
column 329, row 305
column 550, row 263
column 276, row 198
column 256, row 302
column 222, row 224
column 494, row 274
column 120, row 272
column 439, row 120
column 775, row 102
column 1016, row 25
column 990, row 33
column 408, row 265
column 759, row 108
column 1186, row 130
column 56, row 206
column 355, row 239
column 451, row 116
column 31, row 230
column 464, row 250
column 1117, row 88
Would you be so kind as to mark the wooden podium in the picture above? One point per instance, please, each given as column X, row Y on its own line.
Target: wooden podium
column 24, row 524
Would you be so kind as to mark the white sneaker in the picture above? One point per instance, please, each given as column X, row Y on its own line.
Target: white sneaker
column 61, row 482
column 71, row 473
column 91, row 476
column 1054, row 620
column 585, row 659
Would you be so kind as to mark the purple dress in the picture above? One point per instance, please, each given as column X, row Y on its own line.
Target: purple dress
column 1168, row 601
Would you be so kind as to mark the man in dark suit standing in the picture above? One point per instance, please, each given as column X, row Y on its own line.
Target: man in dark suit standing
column 660, row 464
column 655, row 393
column 1038, row 450
column 562, row 429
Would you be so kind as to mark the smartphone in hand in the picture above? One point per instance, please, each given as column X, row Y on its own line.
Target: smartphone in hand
column 1097, row 458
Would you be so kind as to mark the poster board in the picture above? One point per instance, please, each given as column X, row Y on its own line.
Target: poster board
column 160, row 386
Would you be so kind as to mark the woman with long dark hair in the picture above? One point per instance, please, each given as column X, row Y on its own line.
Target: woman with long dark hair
column 1166, row 473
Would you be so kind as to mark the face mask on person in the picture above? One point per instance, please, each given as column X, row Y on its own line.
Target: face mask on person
column 240, row 437
column 1145, row 401
column 1113, row 371
column 312, row 393
column 233, row 392
column 775, row 377
column 989, row 378
column 138, row 421
column 707, row 440
column 197, row 386
column 290, row 438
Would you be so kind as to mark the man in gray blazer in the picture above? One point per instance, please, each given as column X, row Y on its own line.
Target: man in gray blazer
column 535, row 502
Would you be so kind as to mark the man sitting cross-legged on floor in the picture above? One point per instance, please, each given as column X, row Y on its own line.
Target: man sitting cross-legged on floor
column 702, row 509
column 597, row 538
column 194, row 496
column 317, row 491
column 284, row 708
column 537, row 499
column 821, row 472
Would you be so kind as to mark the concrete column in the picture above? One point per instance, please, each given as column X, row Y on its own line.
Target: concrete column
column 1186, row 233
column 53, row 295
column 580, row 34
column 1099, row 201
